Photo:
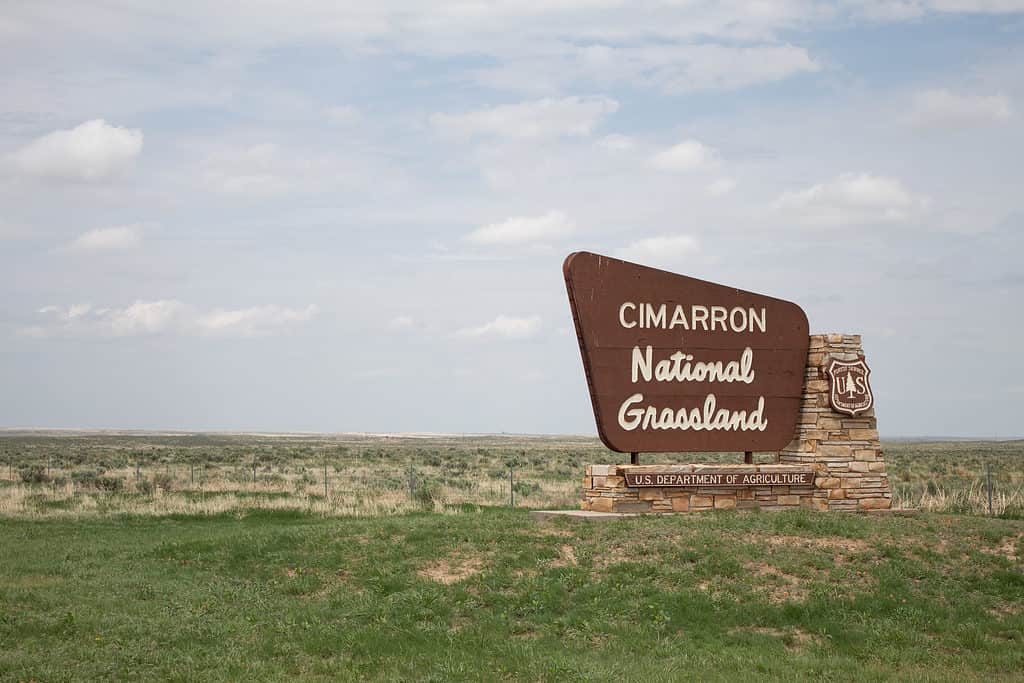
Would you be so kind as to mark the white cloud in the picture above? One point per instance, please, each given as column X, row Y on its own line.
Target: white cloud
column 344, row 114
column 943, row 108
column 91, row 151
column 687, row 68
column 670, row 67
column 721, row 187
column 267, row 168
column 254, row 320
column 146, row 317
column 166, row 316
column 524, row 229
column 852, row 198
column 546, row 118
column 616, row 143
column 687, row 156
column 503, row 326
column 402, row 322
column 119, row 237
column 662, row 249
column 257, row 169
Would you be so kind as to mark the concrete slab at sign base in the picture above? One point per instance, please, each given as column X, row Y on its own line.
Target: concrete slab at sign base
column 586, row 515
column 833, row 463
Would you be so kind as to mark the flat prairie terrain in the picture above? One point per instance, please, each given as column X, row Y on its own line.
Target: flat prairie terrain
column 491, row 594
column 102, row 474
column 217, row 557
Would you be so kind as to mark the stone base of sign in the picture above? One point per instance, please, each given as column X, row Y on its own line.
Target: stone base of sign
column 605, row 489
column 843, row 452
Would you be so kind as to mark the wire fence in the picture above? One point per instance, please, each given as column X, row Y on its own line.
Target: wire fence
column 350, row 487
column 382, row 482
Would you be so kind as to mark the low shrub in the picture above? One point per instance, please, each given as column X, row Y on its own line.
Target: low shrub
column 34, row 474
column 162, row 480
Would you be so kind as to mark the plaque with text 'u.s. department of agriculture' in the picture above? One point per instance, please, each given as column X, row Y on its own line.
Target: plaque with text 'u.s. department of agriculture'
column 674, row 363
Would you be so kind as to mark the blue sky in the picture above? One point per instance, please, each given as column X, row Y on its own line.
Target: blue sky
column 326, row 217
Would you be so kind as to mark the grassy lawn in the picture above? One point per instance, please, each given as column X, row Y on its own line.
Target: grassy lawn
column 491, row 594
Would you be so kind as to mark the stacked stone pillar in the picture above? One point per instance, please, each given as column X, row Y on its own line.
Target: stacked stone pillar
column 844, row 450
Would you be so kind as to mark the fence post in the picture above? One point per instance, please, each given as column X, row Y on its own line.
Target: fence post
column 988, row 476
column 254, row 474
column 325, row 477
column 511, row 489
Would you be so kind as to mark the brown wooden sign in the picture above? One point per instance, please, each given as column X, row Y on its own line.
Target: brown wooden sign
column 679, row 364
column 720, row 479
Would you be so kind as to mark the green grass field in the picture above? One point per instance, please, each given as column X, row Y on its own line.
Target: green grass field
column 493, row 595
column 144, row 557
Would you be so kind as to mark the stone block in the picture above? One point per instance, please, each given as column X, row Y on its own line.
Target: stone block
column 599, row 470
column 789, row 500
column 836, row 494
column 819, row 504
column 864, row 434
column 597, row 482
column 833, row 451
column 602, row 504
column 857, row 466
column 725, row 502
column 816, row 385
column 827, row 482
column 587, row 482
column 701, row 501
column 876, row 467
column 632, row 506
column 745, row 494
column 874, row 503
column 681, row 504
column 651, row 494
column 865, row 454
column 614, row 482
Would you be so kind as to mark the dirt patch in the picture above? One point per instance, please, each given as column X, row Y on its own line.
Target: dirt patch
column 566, row 557
column 846, row 545
column 782, row 587
column 616, row 553
column 794, row 639
column 452, row 570
column 1008, row 549
column 1006, row 609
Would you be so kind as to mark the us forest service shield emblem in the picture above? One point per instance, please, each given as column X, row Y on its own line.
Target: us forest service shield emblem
column 849, row 391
